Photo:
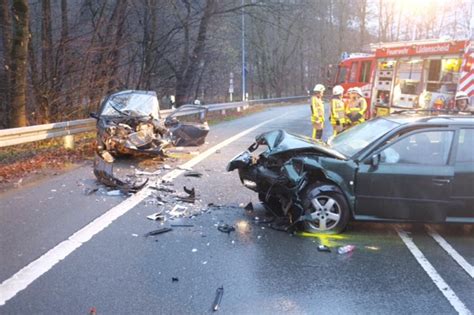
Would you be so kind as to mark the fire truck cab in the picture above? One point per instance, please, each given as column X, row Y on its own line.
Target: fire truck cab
column 356, row 70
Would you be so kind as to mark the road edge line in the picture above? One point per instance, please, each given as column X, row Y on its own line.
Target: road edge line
column 451, row 251
column 448, row 293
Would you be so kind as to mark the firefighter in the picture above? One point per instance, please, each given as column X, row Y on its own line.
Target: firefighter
column 462, row 102
column 356, row 107
column 338, row 118
column 317, row 111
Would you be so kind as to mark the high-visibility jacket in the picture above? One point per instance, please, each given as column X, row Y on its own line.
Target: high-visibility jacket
column 317, row 110
column 355, row 110
column 338, row 111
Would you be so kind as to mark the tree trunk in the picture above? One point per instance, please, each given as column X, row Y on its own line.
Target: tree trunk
column 184, row 83
column 5, row 86
column 46, row 62
column 19, row 63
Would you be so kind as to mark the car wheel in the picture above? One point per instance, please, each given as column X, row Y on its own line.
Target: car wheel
column 328, row 209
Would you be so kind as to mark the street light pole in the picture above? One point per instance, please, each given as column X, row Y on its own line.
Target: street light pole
column 243, row 52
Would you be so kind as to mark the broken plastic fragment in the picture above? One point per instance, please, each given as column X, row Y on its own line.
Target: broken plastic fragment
column 249, row 207
column 324, row 248
column 218, row 298
column 194, row 250
column 114, row 193
column 156, row 216
column 345, row 249
column 225, row 228
column 193, row 174
column 174, row 279
column 159, row 231
column 191, row 198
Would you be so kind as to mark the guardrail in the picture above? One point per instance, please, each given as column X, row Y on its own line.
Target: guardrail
column 14, row 136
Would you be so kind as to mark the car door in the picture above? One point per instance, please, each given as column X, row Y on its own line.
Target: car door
column 411, row 178
column 463, row 183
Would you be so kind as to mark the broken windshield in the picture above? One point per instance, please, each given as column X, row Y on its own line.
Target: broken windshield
column 133, row 103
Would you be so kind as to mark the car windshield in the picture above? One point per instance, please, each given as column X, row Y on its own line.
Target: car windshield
column 133, row 104
column 355, row 139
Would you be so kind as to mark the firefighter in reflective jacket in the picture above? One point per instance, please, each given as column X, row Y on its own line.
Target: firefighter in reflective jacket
column 317, row 111
column 356, row 107
column 338, row 114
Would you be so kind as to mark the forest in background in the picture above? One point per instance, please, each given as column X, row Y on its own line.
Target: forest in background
column 58, row 58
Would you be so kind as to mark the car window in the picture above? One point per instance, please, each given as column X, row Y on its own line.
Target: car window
column 428, row 148
column 358, row 137
column 465, row 151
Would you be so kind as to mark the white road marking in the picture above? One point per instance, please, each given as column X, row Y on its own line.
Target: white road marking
column 451, row 251
column 25, row 276
column 433, row 274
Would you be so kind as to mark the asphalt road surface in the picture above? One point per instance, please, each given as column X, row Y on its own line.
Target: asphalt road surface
column 65, row 252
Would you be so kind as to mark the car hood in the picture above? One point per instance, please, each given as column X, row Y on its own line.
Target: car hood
column 280, row 141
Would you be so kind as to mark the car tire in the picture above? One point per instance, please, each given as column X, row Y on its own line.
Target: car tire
column 328, row 207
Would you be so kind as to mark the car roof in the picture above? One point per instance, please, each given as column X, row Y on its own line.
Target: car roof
column 452, row 119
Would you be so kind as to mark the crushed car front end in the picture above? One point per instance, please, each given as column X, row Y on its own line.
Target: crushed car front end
column 289, row 168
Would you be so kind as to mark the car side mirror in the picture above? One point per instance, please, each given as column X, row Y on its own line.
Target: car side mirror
column 375, row 160
column 94, row 115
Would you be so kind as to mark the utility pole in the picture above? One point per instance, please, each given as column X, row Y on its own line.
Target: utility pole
column 243, row 52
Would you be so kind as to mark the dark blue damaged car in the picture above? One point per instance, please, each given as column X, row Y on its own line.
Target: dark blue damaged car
column 401, row 167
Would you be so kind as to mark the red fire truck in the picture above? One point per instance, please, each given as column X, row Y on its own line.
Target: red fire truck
column 410, row 75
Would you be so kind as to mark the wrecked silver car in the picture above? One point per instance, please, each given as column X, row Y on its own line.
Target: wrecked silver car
column 129, row 122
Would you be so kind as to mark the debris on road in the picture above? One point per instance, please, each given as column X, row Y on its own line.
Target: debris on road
column 174, row 279
column 324, row 248
column 225, row 228
column 145, row 173
column 175, row 212
column 156, row 216
column 190, row 198
column 103, row 171
column 182, row 225
column 345, row 249
column 90, row 191
column 159, row 231
column 249, row 207
column 193, row 174
column 114, row 193
column 194, row 250
column 218, row 299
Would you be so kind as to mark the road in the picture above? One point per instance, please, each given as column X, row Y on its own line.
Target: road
column 110, row 267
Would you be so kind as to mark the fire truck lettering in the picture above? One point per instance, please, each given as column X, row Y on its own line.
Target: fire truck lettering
column 398, row 51
column 432, row 49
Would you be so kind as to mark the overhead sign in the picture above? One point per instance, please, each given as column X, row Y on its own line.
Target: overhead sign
column 444, row 48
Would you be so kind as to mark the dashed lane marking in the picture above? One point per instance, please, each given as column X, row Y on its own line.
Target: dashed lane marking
column 451, row 251
column 433, row 274
column 24, row 277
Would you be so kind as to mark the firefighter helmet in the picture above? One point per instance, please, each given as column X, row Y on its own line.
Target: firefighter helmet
column 337, row 90
column 319, row 88
column 461, row 96
column 357, row 90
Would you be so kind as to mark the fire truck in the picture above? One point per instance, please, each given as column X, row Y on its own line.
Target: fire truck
column 418, row 74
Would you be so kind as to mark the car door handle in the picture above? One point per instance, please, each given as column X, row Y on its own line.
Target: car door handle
column 441, row 181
